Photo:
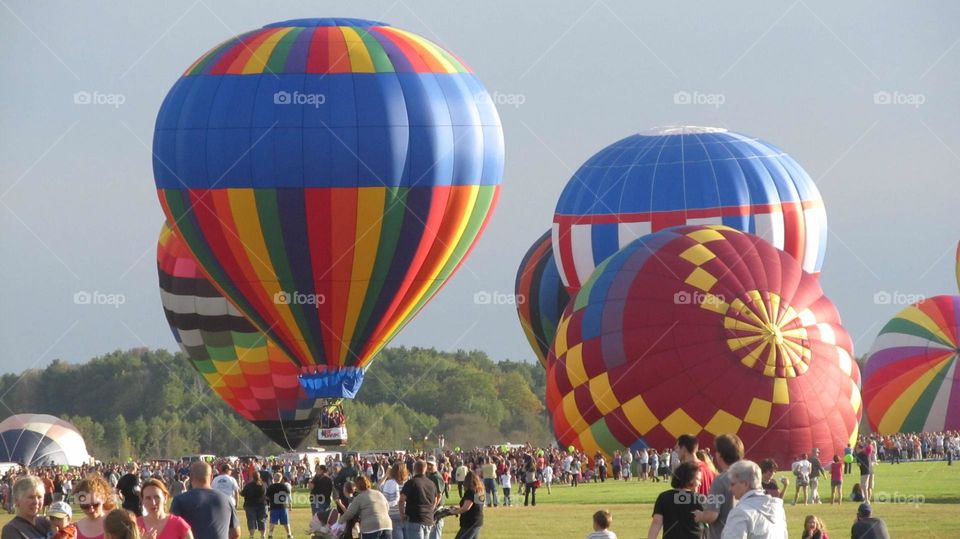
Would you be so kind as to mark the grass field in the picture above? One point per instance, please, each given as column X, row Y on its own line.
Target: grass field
column 917, row 500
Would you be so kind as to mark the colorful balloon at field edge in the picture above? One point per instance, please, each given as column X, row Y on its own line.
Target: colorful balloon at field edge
column 541, row 297
column 703, row 330
column 911, row 380
column 958, row 266
column 329, row 175
column 239, row 363
column 686, row 175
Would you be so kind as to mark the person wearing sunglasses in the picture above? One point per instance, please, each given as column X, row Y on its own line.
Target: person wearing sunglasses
column 95, row 498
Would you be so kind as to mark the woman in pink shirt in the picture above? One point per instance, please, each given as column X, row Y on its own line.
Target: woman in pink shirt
column 158, row 524
column 836, row 480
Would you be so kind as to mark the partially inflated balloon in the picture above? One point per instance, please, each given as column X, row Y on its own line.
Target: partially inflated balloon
column 329, row 175
column 686, row 175
column 251, row 374
column 703, row 330
column 541, row 297
column 911, row 382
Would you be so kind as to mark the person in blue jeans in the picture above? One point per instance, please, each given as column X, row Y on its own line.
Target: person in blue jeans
column 418, row 499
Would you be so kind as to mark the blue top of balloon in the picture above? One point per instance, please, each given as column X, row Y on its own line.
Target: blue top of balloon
column 684, row 167
column 325, row 21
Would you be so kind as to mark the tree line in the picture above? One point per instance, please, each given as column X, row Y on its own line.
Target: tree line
column 143, row 403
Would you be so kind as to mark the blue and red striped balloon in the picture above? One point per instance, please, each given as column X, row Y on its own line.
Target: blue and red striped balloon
column 686, row 175
column 329, row 175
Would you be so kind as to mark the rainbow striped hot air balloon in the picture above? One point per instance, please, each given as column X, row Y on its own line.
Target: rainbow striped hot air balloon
column 686, row 175
column 703, row 330
column 911, row 380
column 541, row 297
column 242, row 366
column 329, row 175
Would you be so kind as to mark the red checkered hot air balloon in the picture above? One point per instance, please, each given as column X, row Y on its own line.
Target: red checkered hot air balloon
column 703, row 330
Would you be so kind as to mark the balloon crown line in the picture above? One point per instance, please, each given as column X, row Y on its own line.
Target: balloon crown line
column 664, row 130
column 325, row 21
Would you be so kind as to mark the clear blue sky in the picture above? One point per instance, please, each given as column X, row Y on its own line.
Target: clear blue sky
column 78, row 211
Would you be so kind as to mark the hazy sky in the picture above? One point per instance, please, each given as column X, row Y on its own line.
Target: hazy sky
column 78, row 210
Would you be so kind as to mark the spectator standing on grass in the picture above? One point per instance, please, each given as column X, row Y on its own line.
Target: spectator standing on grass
column 27, row 500
column 255, row 505
column 489, row 473
column 225, row 483
column 602, row 520
column 686, row 448
column 627, row 463
column 278, row 500
column 756, row 514
column 156, row 522
column 816, row 472
column 836, row 481
column 208, row 511
column 470, row 508
column 128, row 487
column 547, row 476
column 530, row 481
column 396, row 477
column 95, row 499
column 866, row 472
column 718, row 503
column 436, row 531
column 505, row 484
column 801, row 472
column 321, row 493
column 868, row 526
column 674, row 510
column 418, row 498
column 460, row 475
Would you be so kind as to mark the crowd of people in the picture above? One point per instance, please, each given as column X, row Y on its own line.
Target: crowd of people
column 407, row 495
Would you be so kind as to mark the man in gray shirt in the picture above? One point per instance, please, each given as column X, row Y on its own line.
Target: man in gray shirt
column 717, row 504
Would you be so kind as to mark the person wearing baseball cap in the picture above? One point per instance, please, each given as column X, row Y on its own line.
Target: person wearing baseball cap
column 60, row 515
column 868, row 526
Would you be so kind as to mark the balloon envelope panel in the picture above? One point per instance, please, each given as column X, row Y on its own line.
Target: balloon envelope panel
column 686, row 175
column 911, row 382
column 703, row 330
column 329, row 175
column 239, row 363
column 540, row 296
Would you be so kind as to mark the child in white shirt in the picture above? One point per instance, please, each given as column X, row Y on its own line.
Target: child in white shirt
column 505, row 481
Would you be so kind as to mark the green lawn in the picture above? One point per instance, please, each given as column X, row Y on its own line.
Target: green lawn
column 922, row 500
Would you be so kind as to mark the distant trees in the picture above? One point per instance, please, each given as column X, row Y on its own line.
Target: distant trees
column 150, row 403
